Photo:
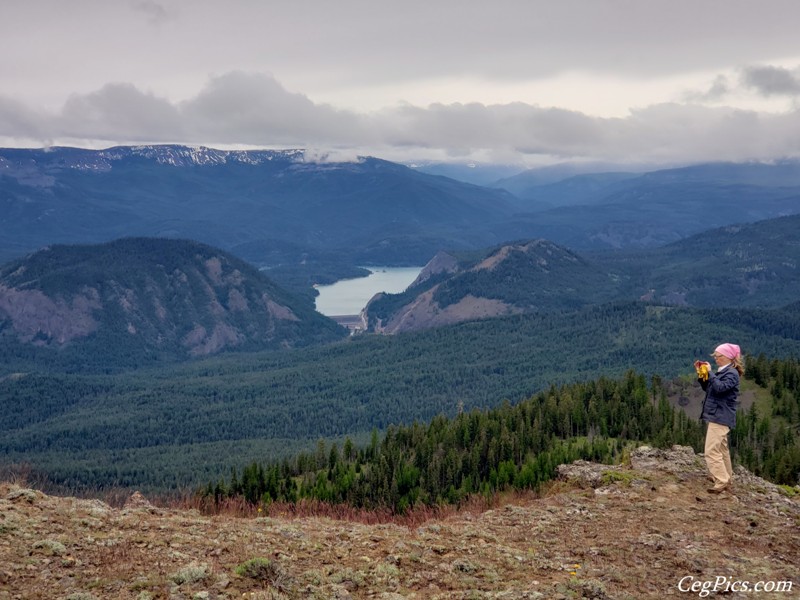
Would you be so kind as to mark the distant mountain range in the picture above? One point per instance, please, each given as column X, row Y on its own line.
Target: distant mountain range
column 277, row 209
column 138, row 300
column 365, row 211
column 475, row 173
column 567, row 184
column 736, row 266
column 617, row 209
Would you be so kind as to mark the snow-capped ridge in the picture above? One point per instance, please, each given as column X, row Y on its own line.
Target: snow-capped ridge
column 183, row 156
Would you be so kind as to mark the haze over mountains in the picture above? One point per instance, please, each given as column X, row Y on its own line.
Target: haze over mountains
column 368, row 210
column 736, row 266
column 625, row 210
column 277, row 207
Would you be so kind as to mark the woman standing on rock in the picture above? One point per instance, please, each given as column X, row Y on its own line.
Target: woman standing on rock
column 719, row 410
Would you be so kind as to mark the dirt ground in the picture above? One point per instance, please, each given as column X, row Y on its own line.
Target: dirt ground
column 643, row 530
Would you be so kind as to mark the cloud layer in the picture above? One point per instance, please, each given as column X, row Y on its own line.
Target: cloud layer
column 253, row 109
column 511, row 80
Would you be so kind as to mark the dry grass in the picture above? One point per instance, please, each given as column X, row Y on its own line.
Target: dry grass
column 414, row 517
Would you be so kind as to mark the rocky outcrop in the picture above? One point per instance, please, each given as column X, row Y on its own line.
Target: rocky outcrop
column 41, row 320
column 441, row 263
column 520, row 277
column 545, row 252
column 677, row 460
column 425, row 313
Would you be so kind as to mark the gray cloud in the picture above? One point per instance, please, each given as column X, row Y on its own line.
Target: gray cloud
column 718, row 90
column 319, row 45
column 464, row 128
column 119, row 111
column 252, row 108
column 17, row 120
column 153, row 11
column 532, row 39
column 772, row 81
column 255, row 109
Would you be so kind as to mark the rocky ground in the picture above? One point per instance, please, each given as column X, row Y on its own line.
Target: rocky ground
column 633, row 531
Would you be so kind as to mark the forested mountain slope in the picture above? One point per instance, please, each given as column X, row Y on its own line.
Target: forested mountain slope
column 522, row 446
column 531, row 276
column 188, row 424
column 262, row 204
column 140, row 300
column 623, row 210
column 753, row 265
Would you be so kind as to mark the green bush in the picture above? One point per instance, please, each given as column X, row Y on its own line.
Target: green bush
column 264, row 570
column 190, row 574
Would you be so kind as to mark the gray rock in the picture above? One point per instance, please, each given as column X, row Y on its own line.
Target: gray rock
column 585, row 474
column 676, row 459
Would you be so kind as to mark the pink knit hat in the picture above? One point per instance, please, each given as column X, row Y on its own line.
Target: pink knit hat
column 731, row 351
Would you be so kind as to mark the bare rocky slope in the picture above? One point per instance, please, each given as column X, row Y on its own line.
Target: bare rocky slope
column 511, row 279
column 743, row 266
column 150, row 296
column 640, row 530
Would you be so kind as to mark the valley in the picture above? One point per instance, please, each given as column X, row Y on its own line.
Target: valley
column 185, row 424
column 162, row 363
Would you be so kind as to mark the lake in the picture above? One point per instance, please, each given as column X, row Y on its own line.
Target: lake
column 349, row 296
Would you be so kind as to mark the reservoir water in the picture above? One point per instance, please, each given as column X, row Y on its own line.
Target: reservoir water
column 349, row 296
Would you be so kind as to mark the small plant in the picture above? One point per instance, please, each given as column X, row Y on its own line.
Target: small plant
column 7, row 527
column 256, row 568
column 348, row 575
column 610, row 477
column 385, row 574
column 788, row 490
column 264, row 570
column 50, row 547
column 626, row 456
column 144, row 584
column 190, row 574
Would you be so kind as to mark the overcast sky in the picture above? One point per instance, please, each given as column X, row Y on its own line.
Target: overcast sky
column 523, row 81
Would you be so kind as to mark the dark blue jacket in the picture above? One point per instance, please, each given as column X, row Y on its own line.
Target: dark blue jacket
column 722, row 396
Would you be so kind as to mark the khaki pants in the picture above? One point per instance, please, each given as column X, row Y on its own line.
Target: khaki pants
column 718, row 457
